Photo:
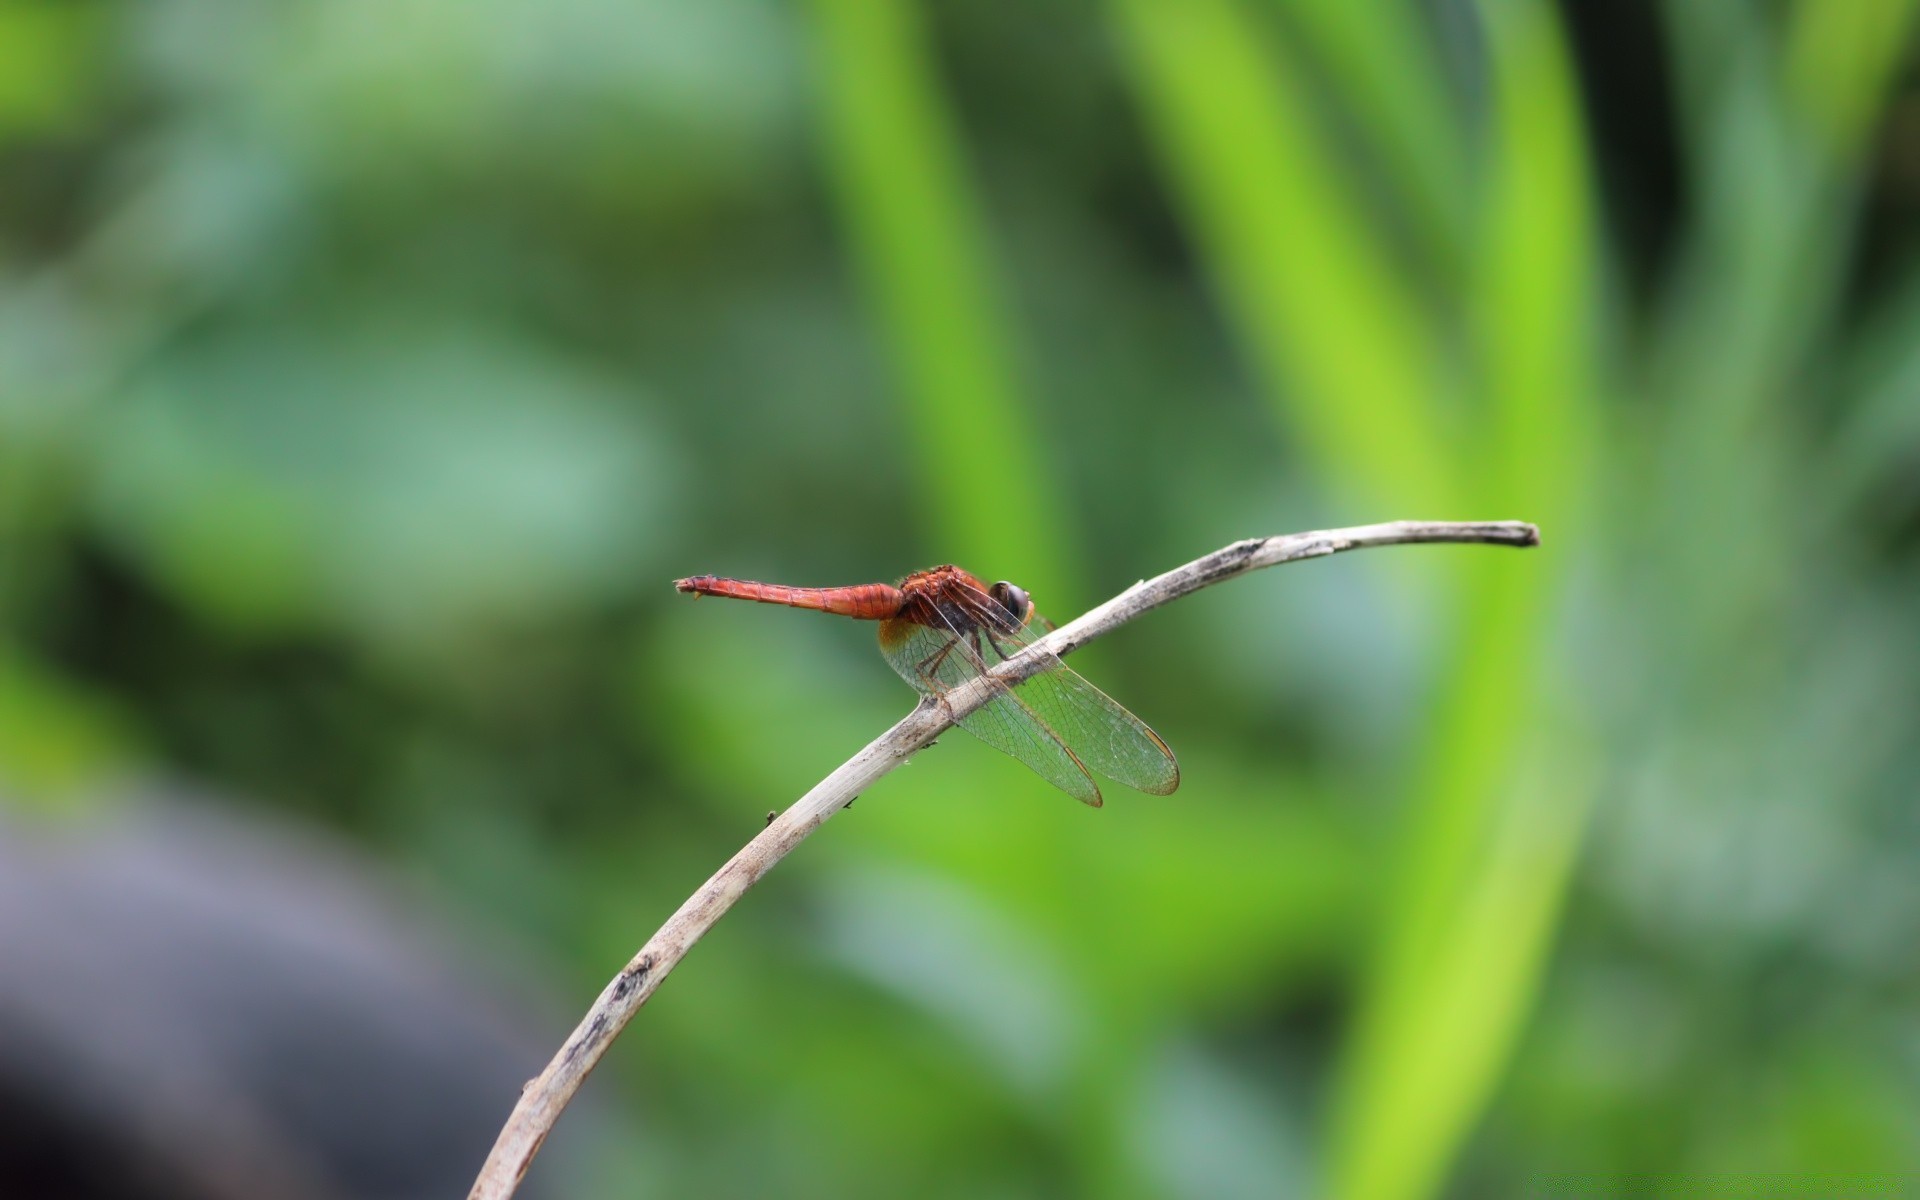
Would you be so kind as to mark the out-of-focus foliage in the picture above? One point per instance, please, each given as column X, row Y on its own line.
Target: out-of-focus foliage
column 368, row 369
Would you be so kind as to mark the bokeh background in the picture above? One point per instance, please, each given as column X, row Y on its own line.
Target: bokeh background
column 368, row 368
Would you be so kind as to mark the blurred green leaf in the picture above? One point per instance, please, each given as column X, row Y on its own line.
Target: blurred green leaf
column 59, row 745
column 1494, row 828
column 417, row 500
column 1320, row 307
column 50, row 59
column 1381, row 59
column 980, row 476
column 1839, row 60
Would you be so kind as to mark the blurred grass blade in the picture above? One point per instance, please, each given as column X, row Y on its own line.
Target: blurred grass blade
column 1319, row 306
column 1761, row 287
column 1380, row 62
column 1774, row 205
column 1457, row 1019
column 60, row 743
column 909, row 210
column 1878, row 434
column 1315, row 295
column 1472, row 915
column 1532, row 300
column 1840, row 59
column 1840, row 64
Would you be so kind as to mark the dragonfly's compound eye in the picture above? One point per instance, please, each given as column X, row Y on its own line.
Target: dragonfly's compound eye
column 1013, row 598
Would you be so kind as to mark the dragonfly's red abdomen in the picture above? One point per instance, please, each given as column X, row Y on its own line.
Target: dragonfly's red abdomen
column 866, row 601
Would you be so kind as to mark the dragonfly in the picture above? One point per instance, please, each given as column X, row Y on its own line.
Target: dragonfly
column 943, row 627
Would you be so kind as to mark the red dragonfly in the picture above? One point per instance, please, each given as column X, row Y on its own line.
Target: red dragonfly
column 942, row 628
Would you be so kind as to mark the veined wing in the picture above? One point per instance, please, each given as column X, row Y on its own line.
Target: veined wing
column 1086, row 723
column 937, row 660
column 1104, row 735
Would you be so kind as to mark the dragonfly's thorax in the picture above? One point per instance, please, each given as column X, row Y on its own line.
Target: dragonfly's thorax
column 937, row 579
column 951, row 631
column 949, row 598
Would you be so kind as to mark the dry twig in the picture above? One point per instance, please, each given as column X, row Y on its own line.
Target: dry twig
column 543, row 1099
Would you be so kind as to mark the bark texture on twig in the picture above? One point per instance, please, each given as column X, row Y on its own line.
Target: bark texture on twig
column 543, row 1099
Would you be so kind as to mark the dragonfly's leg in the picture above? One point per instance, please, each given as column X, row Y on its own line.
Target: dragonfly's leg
column 997, row 647
column 978, row 637
column 929, row 667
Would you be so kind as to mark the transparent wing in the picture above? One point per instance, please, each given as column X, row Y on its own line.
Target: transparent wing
column 934, row 660
column 1086, row 723
column 1107, row 738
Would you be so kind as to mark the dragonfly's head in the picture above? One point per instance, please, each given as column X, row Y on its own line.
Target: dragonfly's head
column 1013, row 598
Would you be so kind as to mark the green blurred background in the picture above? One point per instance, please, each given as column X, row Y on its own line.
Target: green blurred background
column 368, row 368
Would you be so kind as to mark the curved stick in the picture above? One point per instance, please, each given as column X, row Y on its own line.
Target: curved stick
column 546, row 1096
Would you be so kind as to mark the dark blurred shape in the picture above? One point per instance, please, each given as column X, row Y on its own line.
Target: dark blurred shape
column 1636, row 137
column 194, row 1006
